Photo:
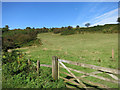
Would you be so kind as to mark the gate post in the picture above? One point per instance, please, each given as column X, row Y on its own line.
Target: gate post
column 112, row 53
column 55, row 68
column 38, row 66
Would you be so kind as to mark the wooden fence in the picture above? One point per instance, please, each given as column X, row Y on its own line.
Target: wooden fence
column 80, row 81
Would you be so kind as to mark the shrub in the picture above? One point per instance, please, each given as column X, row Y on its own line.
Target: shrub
column 68, row 32
column 16, row 73
column 17, row 38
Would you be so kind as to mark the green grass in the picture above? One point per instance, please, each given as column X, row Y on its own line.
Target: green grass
column 86, row 48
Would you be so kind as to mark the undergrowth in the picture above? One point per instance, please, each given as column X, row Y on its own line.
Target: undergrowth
column 18, row 74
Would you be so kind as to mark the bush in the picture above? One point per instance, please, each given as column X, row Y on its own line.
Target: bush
column 68, row 32
column 17, row 38
column 18, row 74
column 56, row 31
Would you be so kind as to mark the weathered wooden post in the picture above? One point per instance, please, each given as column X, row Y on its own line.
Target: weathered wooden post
column 55, row 68
column 112, row 53
column 38, row 66
column 29, row 62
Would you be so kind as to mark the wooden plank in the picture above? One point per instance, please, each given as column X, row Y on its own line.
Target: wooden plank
column 66, row 74
column 87, row 81
column 29, row 62
column 109, row 70
column 38, row 66
column 113, row 76
column 67, row 80
column 83, row 86
column 45, row 65
column 70, row 81
column 55, row 68
column 88, row 74
column 68, row 86
column 99, row 77
column 93, row 83
column 112, row 53
column 96, row 72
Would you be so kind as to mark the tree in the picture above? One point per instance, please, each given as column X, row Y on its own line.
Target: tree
column 77, row 26
column 6, row 26
column 44, row 28
column 118, row 20
column 87, row 24
column 5, row 29
column 33, row 28
column 28, row 28
column 70, row 27
column 62, row 27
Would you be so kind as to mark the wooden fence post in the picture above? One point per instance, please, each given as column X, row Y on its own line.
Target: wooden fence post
column 55, row 68
column 29, row 62
column 112, row 53
column 38, row 66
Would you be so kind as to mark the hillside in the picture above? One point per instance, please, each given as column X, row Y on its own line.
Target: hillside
column 107, row 28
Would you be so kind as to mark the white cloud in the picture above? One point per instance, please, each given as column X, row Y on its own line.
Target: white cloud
column 108, row 13
column 110, row 20
column 106, row 18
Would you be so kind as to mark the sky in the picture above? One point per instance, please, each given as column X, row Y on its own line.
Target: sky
column 58, row 14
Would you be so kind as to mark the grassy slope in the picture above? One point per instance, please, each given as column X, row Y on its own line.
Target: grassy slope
column 86, row 48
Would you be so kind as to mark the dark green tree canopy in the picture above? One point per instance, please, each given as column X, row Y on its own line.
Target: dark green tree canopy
column 87, row 24
column 118, row 20
column 6, row 26
column 77, row 26
column 70, row 27
column 5, row 29
column 28, row 28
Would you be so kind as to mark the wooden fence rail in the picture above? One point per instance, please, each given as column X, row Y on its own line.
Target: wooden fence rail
column 88, row 74
column 80, row 80
column 109, row 70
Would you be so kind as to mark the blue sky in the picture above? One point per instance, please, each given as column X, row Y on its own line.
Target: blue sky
column 58, row 14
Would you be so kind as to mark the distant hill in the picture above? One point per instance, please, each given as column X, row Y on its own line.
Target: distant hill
column 107, row 28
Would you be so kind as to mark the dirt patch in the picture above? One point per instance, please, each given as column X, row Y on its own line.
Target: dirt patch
column 10, row 50
column 45, row 49
column 34, row 46
column 96, row 52
column 23, row 48
column 27, row 52
column 66, row 53
column 59, row 49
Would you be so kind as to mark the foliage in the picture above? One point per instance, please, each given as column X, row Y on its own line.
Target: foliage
column 108, row 28
column 69, row 27
column 5, row 29
column 77, row 27
column 118, row 20
column 42, row 30
column 68, row 32
column 18, row 38
column 18, row 74
column 87, row 24
column 57, row 30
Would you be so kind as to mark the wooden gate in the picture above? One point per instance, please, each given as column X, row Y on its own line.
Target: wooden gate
column 80, row 82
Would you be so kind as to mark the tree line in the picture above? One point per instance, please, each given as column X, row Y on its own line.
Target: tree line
column 17, row 38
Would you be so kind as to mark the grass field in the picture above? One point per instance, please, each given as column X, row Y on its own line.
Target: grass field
column 86, row 48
